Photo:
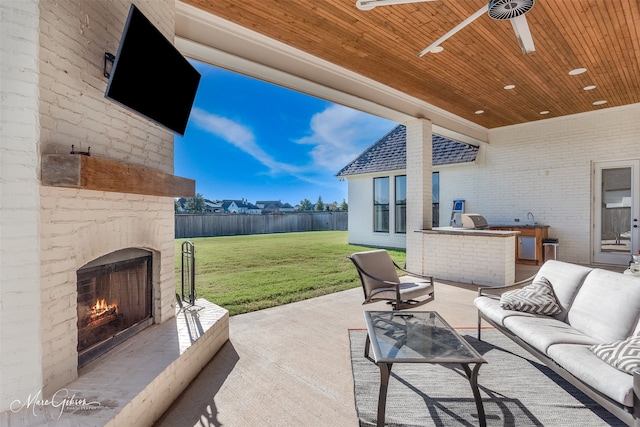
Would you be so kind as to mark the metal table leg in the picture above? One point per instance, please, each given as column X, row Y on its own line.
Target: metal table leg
column 473, row 380
column 366, row 346
column 385, row 372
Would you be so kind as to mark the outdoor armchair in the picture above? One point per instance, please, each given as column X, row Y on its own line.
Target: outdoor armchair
column 380, row 281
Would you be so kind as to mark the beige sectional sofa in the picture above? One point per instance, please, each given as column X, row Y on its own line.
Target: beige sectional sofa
column 594, row 328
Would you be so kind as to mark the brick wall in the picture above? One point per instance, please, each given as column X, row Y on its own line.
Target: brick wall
column 20, row 363
column 74, row 37
column 545, row 168
column 419, row 189
column 473, row 258
column 53, row 97
column 78, row 226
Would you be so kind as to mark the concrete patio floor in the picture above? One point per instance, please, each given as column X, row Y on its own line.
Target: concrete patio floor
column 290, row 365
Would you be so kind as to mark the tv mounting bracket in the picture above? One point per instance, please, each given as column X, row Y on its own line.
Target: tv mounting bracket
column 108, row 58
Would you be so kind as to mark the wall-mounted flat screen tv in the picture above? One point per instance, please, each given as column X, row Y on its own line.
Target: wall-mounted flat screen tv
column 151, row 77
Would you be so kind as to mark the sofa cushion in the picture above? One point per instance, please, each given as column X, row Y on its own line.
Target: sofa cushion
column 541, row 332
column 579, row 361
column 537, row 298
column 490, row 307
column 623, row 355
column 566, row 279
column 607, row 306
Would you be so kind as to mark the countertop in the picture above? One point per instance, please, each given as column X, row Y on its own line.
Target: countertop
column 470, row 232
column 516, row 225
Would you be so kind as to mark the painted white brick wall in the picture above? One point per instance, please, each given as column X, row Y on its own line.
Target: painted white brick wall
column 545, row 168
column 75, row 36
column 419, row 189
column 20, row 362
column 78, row 226
column 476, row 259
column 52, row 91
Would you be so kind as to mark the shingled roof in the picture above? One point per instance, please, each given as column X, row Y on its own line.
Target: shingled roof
column 390, row 153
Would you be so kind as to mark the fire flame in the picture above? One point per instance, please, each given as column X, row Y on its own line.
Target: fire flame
column 102, row 307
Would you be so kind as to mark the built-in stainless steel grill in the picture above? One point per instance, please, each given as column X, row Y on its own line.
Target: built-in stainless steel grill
column 474, row 221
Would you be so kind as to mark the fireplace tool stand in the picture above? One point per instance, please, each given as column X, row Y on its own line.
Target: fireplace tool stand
column 188, row 276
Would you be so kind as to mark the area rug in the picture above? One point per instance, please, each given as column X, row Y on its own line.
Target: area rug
column 516, row 390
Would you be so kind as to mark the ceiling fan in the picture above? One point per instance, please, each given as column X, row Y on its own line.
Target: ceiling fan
column 512, row 10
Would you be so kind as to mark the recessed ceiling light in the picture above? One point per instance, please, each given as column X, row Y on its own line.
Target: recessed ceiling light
column 509, row 87
column 437, row 49
column 544, row 112
column 590, row 87
column 599, row 102
column 479, row 111
column 577, row 71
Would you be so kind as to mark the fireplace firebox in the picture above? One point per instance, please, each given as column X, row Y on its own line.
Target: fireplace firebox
column 114, row 301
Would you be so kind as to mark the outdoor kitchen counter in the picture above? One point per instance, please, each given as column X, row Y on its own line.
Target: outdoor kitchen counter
column 470, row 231
column 481, row 257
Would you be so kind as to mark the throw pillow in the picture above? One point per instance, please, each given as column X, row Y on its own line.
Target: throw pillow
column 537, row 298
column 623, row 355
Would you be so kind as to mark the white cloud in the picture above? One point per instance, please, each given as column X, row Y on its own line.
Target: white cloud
column 239, row 136
column 339, row 134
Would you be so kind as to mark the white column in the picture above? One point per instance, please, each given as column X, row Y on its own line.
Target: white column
column 419, row 190
column 20, row 313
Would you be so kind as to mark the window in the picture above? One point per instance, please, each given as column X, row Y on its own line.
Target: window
column 401, row 204
column 435, row 199
column 381, row 204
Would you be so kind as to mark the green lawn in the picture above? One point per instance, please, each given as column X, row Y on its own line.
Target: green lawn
column 248, row 273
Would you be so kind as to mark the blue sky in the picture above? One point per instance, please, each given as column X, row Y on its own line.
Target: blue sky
column 254, row 140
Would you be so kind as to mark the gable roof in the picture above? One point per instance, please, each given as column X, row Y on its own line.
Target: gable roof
column 239, row 204
column 390, row 153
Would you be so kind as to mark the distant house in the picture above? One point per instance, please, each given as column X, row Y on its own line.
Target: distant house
column 274, row 206
column 240, row 207
column 213, row 206
column 377, row 186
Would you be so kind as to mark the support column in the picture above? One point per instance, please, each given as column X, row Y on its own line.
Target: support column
column 20, row 267
column 419, row 189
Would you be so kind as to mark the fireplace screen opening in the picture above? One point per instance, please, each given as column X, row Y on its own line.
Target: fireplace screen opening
column 114, row 301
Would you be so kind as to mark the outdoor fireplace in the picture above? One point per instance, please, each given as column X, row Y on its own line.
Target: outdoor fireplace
column 114, row 301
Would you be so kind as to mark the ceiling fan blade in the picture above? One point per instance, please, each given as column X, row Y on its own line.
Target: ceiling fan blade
column 370, row 4
column 454, row 30
column 523, row 34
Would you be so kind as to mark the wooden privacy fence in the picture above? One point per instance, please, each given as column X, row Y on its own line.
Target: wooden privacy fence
column 210, row 225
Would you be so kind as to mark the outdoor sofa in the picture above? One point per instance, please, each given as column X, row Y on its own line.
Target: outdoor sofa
column 584, row 326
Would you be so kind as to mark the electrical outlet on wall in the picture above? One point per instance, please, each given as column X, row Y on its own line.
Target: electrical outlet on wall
column 516, row 220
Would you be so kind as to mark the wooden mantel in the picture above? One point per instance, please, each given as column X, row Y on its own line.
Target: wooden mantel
column 93, row 173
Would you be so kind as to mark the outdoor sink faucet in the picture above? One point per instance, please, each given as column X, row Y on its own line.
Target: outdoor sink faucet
column 533, row 221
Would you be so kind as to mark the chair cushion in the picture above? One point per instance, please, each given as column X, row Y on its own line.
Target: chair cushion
column 490, row 307
column 407, row 291
column 580, row 362
column 607, row 307
column 540, row 332
column 623, row 355
column 537, row 298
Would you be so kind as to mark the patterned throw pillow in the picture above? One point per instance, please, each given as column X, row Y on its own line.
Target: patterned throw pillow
column 537, row 298
column 623, row 355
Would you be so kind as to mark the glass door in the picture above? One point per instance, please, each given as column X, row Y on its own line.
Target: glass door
column 616, row 210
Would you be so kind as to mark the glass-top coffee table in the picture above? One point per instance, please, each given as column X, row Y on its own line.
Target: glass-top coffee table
column 418, row 337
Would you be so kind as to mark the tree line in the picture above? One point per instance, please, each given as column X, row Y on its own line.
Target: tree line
column 197, row 204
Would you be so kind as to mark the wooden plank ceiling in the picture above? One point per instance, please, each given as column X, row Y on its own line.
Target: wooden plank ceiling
column 602, row 36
